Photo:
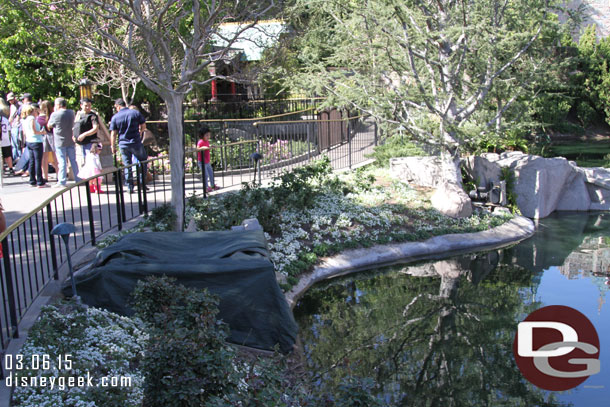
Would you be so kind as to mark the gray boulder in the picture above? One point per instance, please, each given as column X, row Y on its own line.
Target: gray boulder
column 575, row 196
column 598, row 187
column 539, row 183
column 483, row 169
column 451, row 200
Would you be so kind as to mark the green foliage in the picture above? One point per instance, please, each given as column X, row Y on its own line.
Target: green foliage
column 586, row 113
column 378, row 57
column 590, row 153
column 398, row 145
column 31, row 62
column 161, row 218
column 187, row 361
column 593, row 81
column 511, row 140
column 295, row 190
column 550, row 108
column 508, row 176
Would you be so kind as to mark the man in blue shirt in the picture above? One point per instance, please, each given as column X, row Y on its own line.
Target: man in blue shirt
column 128, row 124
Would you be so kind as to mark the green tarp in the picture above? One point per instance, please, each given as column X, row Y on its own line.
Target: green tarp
column 234, row 265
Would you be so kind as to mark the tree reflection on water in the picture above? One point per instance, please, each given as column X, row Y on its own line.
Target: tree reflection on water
column 434, row 334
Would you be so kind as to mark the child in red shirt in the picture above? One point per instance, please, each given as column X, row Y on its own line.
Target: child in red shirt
column 203, row 159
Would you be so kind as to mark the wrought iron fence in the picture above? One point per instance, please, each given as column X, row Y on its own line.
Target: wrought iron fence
column 33, row 257
column 239, row 107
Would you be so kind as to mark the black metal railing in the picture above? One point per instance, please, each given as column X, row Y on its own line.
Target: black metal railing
column 32, row 256
column 240, row 107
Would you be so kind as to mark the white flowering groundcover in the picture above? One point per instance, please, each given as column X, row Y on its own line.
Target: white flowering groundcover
column 97, row 346
column 379, row 210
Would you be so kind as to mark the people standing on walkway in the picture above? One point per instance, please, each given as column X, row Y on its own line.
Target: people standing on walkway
column 34, row 135
column 62, row 122
column 14, row 122
column 87, row 125
column 24, row 159
column 127, row 125
column 7, row 150
column 48, row 146
column 204, row 159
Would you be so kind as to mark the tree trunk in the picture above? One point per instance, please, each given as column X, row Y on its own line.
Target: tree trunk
column 450, row 161
column 175, row 124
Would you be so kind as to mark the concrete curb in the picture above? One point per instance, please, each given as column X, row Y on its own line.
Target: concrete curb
column 350, row 261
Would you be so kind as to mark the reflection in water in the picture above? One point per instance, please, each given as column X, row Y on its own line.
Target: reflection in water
column 440, row 333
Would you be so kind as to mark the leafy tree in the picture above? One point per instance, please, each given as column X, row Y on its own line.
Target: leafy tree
column 29, row 65
column 592, row 79
column 434, row 68
column 166, row 43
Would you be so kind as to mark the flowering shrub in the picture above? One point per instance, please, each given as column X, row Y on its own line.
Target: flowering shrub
column 308, row 213
column 72, row 341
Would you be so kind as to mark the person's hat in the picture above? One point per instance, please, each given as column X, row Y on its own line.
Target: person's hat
column 10, row 96
column 26, row 96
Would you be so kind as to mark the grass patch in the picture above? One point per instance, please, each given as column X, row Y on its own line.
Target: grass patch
column 591, row 153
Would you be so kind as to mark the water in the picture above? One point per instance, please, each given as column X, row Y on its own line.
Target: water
column 441, row 333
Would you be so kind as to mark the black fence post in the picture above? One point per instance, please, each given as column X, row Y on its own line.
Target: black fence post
column 119, row 194
column 349, row 142
column 8, row 275
column 144, row 187
column 139, row 187
column 375, row 132
column 90, row 213
column 52, row 243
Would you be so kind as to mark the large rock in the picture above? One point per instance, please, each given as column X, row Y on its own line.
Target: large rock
column 598, row 187
column 450, row 200
column 483, row 169
column 425, row 171
column 575, row 196
column 539, row 183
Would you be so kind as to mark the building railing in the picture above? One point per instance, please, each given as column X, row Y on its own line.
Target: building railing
column 32, row 256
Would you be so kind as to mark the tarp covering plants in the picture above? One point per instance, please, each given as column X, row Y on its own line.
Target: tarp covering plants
column 234, row 265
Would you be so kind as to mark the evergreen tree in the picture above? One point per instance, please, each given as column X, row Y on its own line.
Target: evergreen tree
column 446, row 71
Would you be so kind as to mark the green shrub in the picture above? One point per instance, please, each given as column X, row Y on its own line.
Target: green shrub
column 551, row 109
column 295, row 190
column 586, row 113
column 508, row 176
column 187, row 360
column 161, row 218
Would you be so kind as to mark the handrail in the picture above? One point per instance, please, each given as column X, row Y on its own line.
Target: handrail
column 194, row 150
column 234, row 120
column 105, row 172
column 255, row 124
column 24, row 218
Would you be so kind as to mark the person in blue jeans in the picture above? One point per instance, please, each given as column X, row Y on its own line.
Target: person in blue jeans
column 62, row 123
column 127, row 125
column 33, row 139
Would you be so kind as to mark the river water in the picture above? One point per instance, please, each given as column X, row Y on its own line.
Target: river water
column 441, row 333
